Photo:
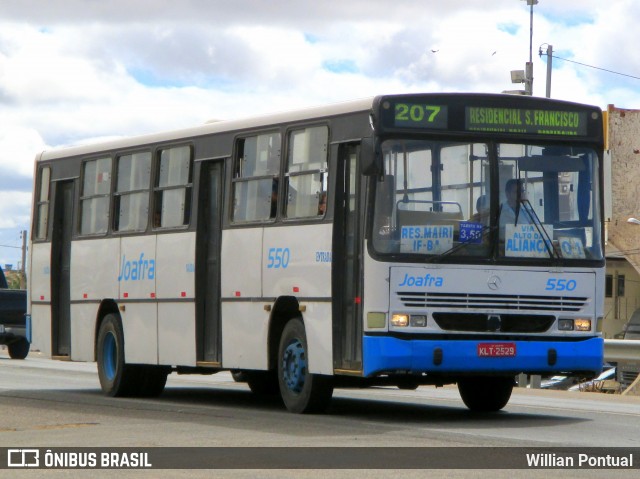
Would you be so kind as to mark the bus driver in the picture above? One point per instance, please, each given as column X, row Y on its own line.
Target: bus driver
column 514, row 211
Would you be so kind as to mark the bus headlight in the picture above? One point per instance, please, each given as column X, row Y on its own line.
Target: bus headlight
column 574, row 324
column 582, row 324
column 400, row 320
column 565, row 324
column 418, row 320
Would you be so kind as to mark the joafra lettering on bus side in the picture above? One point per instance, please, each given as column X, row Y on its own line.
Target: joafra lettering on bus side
column 137, row 270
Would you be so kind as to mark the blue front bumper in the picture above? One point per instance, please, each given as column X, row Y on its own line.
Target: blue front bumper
column 390, row 354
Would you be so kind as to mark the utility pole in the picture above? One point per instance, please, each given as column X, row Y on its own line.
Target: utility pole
column 23, row 268
column 549, row 61
column 526, row 76
column 528, row 80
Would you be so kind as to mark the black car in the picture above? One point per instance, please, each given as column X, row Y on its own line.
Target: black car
column 13, row 329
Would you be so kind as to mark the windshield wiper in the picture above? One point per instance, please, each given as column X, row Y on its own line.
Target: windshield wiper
column 548, row 241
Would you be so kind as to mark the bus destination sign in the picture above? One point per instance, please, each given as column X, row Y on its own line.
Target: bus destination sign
column 526, row 121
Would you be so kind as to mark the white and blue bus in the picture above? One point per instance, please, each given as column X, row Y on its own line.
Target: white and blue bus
column 407, row 240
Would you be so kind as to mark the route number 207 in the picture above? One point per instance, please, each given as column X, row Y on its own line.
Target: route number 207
column 416, row 113
column 556, row 284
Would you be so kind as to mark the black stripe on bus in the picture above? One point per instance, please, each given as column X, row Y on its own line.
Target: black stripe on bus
column 249, row 299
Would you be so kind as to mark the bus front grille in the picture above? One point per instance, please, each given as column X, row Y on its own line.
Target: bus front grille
column 459, row 301
column 504, row 323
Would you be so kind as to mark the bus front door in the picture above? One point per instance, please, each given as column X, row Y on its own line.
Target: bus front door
column 208, row 324
column 61, row 270
column 347, row 254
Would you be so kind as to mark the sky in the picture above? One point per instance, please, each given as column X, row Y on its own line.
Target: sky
column 80, row 71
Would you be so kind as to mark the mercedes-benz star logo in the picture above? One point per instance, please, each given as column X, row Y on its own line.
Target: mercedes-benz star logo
column 494, row 282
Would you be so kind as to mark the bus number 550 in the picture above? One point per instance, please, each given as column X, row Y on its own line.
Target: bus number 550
column 555, row 284
column 278, row 258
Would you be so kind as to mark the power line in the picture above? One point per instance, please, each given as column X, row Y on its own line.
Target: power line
column 591, row 66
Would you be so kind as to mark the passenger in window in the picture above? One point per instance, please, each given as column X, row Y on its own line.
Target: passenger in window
column 322, row 204
column 482, row 210
column 514, row 211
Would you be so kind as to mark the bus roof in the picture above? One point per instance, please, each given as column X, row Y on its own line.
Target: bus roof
column 275, row 119
column 212, row 127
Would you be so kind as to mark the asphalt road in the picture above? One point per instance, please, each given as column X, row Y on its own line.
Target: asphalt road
column 48, row 404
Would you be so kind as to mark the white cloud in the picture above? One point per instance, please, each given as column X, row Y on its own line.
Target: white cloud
column 14, row 209
column 16, row 144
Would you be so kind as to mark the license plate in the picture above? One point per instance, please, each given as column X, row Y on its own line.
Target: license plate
column 496, row 350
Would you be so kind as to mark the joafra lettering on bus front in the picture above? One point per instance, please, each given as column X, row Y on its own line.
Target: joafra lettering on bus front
column 137, row 270
column 527, row 241
column 426, row 280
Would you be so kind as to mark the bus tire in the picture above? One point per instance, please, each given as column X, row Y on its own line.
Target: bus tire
column 262, row 382
column 485, row 393
column 116, row 377
column 19, row 349
column 151, row 380
column 239, row 375
column 408, row 386
column 301, row 391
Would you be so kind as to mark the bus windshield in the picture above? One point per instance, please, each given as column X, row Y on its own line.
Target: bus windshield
column 440, row 199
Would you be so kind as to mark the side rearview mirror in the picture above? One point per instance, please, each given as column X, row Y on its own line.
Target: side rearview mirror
column 370, row 157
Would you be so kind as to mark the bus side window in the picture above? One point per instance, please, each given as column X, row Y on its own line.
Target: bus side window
column 42, row 205
column 94, row 199
column 307, row 172
column 131, row 198
column 255, row 178
column 172, row 192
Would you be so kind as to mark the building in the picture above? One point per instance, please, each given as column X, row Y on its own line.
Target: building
column 622, row 201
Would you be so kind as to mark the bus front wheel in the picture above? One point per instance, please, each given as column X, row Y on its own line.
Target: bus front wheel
column 485, row 393
column 301, row 391
column 116, row 377
column 151, row 381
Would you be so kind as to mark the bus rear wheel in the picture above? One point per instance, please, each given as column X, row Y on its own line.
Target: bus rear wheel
column 301, row 391
column 262, row 382
column 485, row 393
column 116, row 377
